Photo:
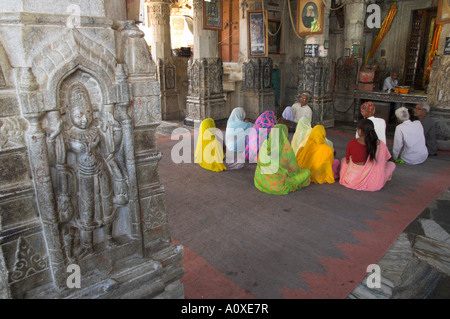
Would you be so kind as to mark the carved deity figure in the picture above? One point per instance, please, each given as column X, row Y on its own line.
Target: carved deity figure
column 91, row 186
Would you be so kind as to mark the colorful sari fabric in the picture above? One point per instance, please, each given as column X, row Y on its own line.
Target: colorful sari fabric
column 288, row 114
column 237, row 130
column 317, row 156
column 301, row 134
column 277, row 171
column 209, row 152
column 259, row 133
column 372, row 176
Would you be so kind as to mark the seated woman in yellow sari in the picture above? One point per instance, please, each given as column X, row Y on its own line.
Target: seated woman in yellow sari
column 209, row 151
column 318, row 157
column 277, row 171
column 301, row 135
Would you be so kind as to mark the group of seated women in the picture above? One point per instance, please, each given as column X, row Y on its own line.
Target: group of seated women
column 285, row 166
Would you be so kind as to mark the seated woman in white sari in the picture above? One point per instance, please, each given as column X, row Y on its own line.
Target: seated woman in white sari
column 235, row 136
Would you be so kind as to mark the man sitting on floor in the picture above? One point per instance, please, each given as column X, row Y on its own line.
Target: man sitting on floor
column 421, row 112
column 409, row 139
column 301, row 108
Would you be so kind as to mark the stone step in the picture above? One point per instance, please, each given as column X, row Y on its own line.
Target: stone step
column 419, row 280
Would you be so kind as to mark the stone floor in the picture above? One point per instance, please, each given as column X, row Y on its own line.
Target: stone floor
column 417, row 266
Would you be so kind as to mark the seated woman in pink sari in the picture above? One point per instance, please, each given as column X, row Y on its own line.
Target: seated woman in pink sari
column 259, row 133
column 366, row 166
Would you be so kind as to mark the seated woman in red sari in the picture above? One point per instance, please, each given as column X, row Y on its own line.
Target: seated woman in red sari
column 366, row 166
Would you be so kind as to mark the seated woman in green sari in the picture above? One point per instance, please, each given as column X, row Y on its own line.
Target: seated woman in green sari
column 277, row 171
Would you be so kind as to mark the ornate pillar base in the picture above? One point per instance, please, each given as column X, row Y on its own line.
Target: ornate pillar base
column 257, row 88
column 315, row 78
column 202, row 108
column 205, row 95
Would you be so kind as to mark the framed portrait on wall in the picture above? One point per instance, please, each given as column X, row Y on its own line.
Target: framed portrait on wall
column 257, row 34
column 274, row 27
column 212, row 14
column 443, row 15
column 309, row 17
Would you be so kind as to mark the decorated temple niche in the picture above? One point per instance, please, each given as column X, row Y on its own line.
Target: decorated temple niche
column 79, row 160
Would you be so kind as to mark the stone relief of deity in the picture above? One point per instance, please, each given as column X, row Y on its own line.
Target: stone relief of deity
column 90, row 185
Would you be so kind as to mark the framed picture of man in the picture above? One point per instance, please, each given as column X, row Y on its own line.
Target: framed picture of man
column 212, row 14
column 443, row 15
column 309, row 17
column 257, row 33
column 274, row 36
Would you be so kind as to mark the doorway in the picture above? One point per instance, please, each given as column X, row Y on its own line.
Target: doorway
column 420, row 43
column 229, row 35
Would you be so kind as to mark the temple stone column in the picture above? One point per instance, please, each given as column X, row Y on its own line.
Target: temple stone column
column 439, row 94
column 257, row 92
column 355, row 14
column 257, row 88
column 82, row 211
column 158, row 13
column 205, row 97
column 314, row 77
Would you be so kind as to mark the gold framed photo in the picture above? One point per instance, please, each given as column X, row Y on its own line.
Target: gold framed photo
column 309, row 17
column 443, row 15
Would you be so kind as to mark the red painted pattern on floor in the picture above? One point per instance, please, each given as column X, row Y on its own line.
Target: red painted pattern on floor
column 343, row 275
column 201, row 280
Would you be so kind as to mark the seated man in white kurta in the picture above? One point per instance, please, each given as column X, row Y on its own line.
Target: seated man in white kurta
column 301, row 108
column 409, row 139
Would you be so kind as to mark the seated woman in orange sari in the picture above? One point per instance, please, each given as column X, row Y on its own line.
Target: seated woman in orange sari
column 317, row 156
column 277, row 171
column 209, row 151
column 366, row 166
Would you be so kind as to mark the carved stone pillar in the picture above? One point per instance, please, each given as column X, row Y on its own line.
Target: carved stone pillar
column 159, row 23
column 205, row 41
column 205, row 92
column 32, row 109
column 205, row 97
column 315, row 78
column 345, row 83
column 257, row 88
column 439, row 99
column 78, row 159
column 158, row 13
column 355, row 14
column 145, row 110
